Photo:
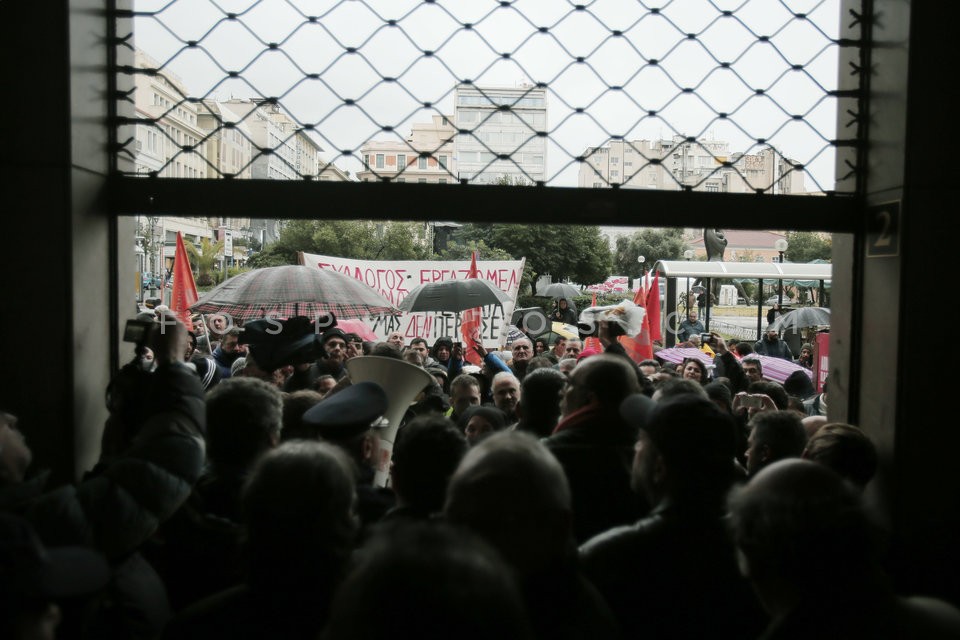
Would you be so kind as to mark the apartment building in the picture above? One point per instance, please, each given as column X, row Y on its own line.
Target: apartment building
column 427, row 155
column 501, row 140
column 168, row 135
column 676, row 164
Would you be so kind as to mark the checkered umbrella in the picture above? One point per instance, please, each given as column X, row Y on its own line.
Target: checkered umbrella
column 293, row 290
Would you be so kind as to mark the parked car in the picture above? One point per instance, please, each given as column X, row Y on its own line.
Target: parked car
column 774, row 299
column 151, row 281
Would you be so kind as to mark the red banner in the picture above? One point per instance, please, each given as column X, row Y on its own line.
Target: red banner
column 184, row 291
column 470, row 323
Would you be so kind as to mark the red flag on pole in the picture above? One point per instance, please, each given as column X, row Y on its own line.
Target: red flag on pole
column 593, row 342
column 639, row 347
column 184, row 292
column 470, row 322
column 653, row 308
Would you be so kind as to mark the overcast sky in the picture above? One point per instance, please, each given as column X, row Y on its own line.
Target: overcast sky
column 396, row 51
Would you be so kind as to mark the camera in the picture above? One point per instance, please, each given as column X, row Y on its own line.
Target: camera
column 139, row 331
column 751, row 402
column 706, row 338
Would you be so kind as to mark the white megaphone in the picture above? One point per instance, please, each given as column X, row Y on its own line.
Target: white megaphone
column 402, row 382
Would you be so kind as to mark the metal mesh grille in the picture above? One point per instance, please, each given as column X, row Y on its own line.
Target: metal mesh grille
column 683, row 95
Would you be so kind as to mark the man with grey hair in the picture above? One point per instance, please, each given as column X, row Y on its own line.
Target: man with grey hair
column 522, row 350
column 512, row 492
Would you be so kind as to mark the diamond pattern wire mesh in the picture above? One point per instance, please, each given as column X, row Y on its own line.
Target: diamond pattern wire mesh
column 687, row 94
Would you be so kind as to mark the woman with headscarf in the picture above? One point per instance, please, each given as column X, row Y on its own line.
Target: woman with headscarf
column 564, row 311
column 448, row 355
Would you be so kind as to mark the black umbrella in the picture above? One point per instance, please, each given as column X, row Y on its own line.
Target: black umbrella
column 453, row 295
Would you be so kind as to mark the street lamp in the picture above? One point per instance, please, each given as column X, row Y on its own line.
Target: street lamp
column 781, row 246
column 642, row 260
column 688, row 256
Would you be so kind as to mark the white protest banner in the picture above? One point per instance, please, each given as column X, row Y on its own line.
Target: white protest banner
column 394, row 279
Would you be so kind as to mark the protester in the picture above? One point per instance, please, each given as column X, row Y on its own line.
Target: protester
column 425, row 455
column 846, row 449
column 774, row 435
column 539, row 407
column 299, row 530
column 771, row 345
column 594, row 444
column 511, row 491
column 679, row 557
column 807, row 546
column 478, row 423
column 150, row 459
column 417, row 581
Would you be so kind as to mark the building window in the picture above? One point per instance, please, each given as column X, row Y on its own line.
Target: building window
column 443, row 162
column 401, row 179
column 597, row 185
column 366, row 161
column 379, row 161
column 422, row 180
column 614, row 160
column 422, row 163
column 401, row 161
column 614, row 174
column 443, row 181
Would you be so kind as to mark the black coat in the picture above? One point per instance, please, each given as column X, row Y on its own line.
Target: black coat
column 673, row 575
column 595, row 449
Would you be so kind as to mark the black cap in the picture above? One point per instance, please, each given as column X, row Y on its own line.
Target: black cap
column 349, row 412
column 333, row 332
column 30, row 569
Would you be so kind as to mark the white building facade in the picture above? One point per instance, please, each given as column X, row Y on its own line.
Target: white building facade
column 501, row 139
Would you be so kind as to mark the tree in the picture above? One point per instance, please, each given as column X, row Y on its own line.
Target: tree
column 652, row 244
column 360, row 239
column 575, row 252
column 204, row 259
column 806, row 246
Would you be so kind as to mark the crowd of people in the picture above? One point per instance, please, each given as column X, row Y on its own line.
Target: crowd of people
column 553, row 491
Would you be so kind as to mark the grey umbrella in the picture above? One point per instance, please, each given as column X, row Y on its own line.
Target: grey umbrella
column 802, row 318
column 559, row 290
column 453, row 295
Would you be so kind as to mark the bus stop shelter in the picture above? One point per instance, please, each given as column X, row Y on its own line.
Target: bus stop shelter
column 815, row 273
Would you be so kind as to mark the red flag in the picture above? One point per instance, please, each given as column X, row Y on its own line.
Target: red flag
column 653, row 308
column 640, row 346
column 470, row 322
column 593, row 342
column 184, row 291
